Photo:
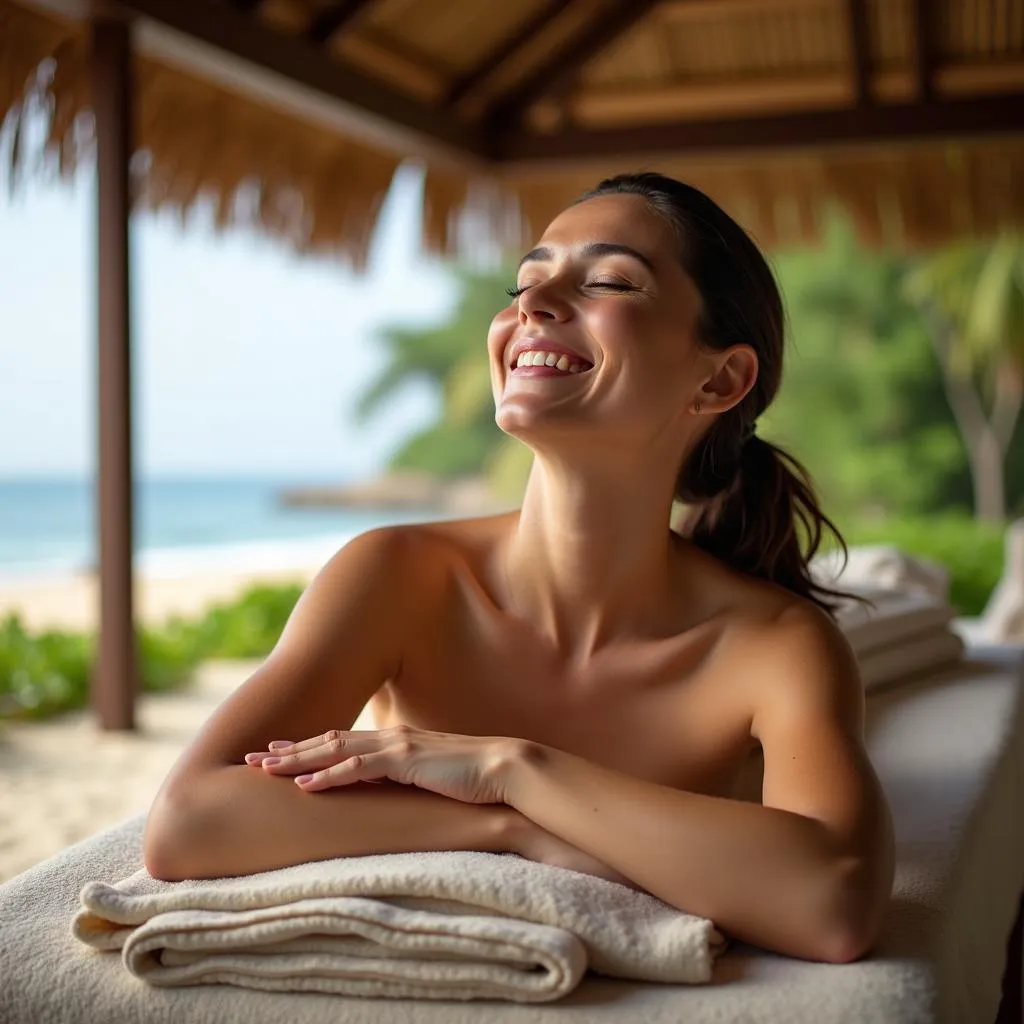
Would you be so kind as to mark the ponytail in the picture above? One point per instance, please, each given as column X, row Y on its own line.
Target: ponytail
column 757, row 512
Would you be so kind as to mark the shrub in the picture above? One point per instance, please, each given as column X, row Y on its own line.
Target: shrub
column 46, row 673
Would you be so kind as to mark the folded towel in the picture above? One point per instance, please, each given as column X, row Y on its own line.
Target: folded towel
column 881, row 565
column 908, row 657
column 446, row 925
column 895, row 616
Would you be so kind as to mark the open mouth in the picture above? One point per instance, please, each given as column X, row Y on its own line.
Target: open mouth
column 538, row 363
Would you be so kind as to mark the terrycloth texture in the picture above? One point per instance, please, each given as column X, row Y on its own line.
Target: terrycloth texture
column 949, row 750
column 448, row 925
column 886, row 666
column 894, row 617
column 900, row 635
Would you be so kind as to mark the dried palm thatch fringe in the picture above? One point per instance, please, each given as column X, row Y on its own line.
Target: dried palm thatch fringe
column 316, row 191
column 320, row 192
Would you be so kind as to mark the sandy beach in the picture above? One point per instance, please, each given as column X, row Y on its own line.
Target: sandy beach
column 63, row 779
column 71, row 602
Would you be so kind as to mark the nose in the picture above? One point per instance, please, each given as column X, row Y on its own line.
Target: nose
column 542, row 302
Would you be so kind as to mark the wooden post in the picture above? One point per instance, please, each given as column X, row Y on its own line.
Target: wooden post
column 115, row 676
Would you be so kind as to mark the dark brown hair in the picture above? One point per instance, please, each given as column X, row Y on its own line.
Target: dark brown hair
column 750, row 503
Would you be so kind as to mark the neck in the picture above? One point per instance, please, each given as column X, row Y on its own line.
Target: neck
column 589, row 559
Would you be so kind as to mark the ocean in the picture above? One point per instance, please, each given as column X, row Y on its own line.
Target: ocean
column 48, row 526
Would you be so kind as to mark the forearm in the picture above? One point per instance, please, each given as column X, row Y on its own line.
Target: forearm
column 762, row 875
column 238, row 820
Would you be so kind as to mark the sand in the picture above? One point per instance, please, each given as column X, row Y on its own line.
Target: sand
column 71, row 602
column 62, row 779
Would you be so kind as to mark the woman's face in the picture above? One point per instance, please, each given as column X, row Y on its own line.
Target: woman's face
column 605, row 294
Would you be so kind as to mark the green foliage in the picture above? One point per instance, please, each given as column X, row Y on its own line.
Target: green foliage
column 863, row 401
column 446, row 450
column 46, row 673
column 248, row 627
column 978, row 286
column 40, row 674
column 452, row 357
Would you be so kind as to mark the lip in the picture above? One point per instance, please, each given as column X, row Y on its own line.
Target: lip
column 534, row 342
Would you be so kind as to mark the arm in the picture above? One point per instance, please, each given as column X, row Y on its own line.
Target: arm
column 809, row 872
column 216, row 816
column 248, row 821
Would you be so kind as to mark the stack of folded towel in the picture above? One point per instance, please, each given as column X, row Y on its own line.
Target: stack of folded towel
column 443, row 925
column 910, row 629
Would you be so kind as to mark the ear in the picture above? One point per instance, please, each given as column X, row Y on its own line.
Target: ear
column 732, row 374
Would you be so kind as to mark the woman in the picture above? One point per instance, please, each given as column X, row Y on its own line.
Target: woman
column 574, row 682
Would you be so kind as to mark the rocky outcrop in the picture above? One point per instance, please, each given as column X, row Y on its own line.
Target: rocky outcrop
column 401, row 490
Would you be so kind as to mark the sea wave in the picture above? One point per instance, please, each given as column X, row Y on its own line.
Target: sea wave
column 258, row 556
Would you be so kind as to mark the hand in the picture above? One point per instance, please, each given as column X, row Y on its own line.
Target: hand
column 466, row 768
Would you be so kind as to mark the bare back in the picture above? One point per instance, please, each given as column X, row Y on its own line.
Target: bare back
column 665, row 707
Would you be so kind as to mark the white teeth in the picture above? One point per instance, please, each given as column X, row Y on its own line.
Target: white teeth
column 538, row 358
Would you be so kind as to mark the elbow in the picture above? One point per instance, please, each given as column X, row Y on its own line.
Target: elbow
column 165, row 839
column 845, row 945
column 855, row 922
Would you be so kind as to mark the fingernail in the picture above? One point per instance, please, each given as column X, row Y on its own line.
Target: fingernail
column 274, row 744
column 271, row 760
column 304, row 778
column 251, row 758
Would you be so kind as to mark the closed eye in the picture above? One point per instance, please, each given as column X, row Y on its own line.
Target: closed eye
column 515, row 292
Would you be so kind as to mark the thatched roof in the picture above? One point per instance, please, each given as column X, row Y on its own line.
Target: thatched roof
column 293, row 115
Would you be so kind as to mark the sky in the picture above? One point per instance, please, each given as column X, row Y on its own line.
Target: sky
column 247, row 360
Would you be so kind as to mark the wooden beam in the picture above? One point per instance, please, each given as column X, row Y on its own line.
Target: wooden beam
column 923, row 48
column 860, row 50
column 567, row 61
column 505, row 51
column 699, row 10
column 981, row 115
column 114, row 683
column 334, row 19
column 200, row 34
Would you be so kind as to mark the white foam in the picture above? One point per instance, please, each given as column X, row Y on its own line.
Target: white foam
column 279, row 555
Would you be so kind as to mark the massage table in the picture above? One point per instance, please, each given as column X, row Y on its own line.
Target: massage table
column 949, row 749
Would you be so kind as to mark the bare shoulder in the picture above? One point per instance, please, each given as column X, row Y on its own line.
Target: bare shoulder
column 789, row 652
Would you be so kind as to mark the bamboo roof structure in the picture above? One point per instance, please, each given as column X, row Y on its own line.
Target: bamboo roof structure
column 293, row 115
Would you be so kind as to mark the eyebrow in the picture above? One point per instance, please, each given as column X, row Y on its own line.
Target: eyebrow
column 592, row 249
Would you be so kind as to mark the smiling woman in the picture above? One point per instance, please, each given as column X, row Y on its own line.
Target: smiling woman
column 574, row 681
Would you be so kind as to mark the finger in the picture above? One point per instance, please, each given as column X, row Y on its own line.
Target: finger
column 324, row 755
column 284, row 748
column 358, row 768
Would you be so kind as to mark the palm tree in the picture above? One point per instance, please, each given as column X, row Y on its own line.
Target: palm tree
column 972, row 296
column 453, row 358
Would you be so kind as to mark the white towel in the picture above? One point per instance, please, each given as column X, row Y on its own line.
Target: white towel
column 446, row 925
column 895, row 616
column 909, row 657
column 904, row 634
column 881, row 565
